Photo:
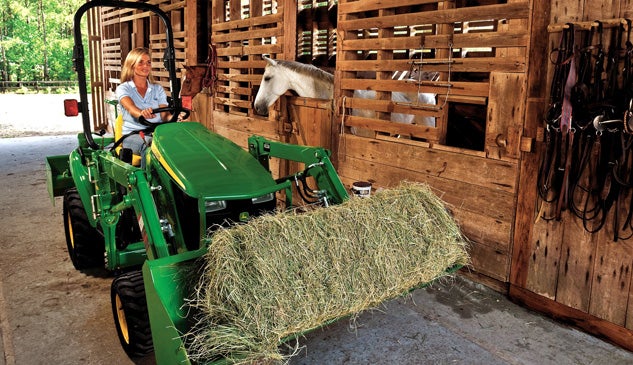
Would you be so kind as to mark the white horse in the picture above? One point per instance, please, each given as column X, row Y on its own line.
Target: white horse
column 280, row 76
column 312, row 82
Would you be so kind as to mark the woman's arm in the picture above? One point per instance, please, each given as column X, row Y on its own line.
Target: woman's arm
column 134, row 111
column 164, row 116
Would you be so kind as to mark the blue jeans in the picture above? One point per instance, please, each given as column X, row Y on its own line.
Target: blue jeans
column 138, row 145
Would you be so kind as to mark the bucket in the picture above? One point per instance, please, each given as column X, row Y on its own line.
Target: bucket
column 361, row 189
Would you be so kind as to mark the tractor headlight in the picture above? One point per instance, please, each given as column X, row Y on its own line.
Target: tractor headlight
column 263, row 199
column 214, row 205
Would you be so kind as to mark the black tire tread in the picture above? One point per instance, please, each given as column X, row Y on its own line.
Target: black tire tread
column 131, row 290
column 88, row 250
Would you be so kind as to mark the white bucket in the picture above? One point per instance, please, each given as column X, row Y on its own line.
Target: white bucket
column 361, row 189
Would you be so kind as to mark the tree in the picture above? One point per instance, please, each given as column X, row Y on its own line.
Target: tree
column 36, row 39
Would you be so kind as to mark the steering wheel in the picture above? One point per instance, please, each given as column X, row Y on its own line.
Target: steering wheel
column 174, row 118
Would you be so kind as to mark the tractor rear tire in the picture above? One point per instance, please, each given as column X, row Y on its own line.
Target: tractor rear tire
column 86, row 246
column 131, row 318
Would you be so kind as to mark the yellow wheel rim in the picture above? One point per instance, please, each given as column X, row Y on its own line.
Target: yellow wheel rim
column 121, row 318
column 70, row 231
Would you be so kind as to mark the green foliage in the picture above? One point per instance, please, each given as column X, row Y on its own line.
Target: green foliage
column 36, row 39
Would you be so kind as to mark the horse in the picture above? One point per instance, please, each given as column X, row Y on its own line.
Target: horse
column 280, row 76
column 312, row 82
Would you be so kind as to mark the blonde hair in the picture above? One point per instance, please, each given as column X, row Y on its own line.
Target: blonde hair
column 132, row 58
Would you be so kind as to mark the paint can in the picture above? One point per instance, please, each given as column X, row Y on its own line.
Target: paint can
column 361, row 189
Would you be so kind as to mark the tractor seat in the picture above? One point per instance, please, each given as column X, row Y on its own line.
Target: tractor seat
column 118, row 132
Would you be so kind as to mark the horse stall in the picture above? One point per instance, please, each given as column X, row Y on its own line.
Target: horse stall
column 471, row 97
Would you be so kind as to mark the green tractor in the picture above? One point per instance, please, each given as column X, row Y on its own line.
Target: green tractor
column 149, row 226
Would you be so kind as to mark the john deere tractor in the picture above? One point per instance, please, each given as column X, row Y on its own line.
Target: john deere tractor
column 147, row 226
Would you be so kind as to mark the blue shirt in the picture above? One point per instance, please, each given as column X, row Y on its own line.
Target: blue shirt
column 154, row 97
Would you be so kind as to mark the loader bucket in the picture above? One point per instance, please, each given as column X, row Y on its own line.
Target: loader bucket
column 167, row 282
column 58, row 177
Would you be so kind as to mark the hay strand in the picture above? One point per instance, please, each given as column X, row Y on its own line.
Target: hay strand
column 287, row 273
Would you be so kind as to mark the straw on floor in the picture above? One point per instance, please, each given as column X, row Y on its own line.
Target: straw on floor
column 283, row 274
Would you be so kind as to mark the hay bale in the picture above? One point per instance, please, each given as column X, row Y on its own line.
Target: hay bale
column 287, row 273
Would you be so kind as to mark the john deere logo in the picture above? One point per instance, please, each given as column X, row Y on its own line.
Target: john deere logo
column 244, row 217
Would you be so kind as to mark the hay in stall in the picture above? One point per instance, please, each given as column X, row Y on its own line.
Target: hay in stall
column 281, row 275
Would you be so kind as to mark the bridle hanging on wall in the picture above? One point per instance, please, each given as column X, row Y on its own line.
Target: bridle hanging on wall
column 586, row 162
column 552, row 169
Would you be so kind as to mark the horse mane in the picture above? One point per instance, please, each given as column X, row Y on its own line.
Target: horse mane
column 308, row 70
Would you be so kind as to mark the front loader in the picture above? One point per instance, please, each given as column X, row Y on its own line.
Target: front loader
column 149, row 226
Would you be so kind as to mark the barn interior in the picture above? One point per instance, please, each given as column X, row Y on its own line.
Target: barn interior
column 535, row 168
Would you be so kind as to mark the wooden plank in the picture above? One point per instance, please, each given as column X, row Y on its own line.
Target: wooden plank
column 496, row 235
column 398, row 161
column 201, row 109
column 578, row 252
column 233, row 102
column 490, row 262
column 239, row 78
column 525, row 233
column 239, row 51
column 248, row 34
column 575, row 271
column 217, row 12
column 481, row 64
column 311, row 121
column 257, row 21
column 385, row 126
column 491, row 39
column 457, row 87
column 289, row 9
column 542, row 272
column 494, row 284
column 351, row 7
column 567, row 11
column 491, row 174
column 246, row 125
column 389, row 106
column 234, row 90
column 506, row 108
column 601, row 9
column 518, row 10
column 611, row 279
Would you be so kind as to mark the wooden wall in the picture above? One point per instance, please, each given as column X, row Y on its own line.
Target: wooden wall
column 558, row 266
column 465, row 141
column 478, row 183
column 480, row 55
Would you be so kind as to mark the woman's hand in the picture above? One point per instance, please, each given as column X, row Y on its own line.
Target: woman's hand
column 147, row 113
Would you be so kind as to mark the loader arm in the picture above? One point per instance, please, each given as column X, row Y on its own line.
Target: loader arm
column 139, row 196
column 316, row 160
column 105, row 173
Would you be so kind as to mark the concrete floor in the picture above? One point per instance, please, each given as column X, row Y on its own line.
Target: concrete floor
column 52, row 314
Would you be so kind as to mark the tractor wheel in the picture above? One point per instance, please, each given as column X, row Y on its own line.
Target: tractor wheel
column 131, row 318
column 86, row 246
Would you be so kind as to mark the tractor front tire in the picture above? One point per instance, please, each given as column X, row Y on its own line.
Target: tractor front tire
column 131, row 318
column 86, row 247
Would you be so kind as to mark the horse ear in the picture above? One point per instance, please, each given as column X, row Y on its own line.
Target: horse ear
column 270, row 61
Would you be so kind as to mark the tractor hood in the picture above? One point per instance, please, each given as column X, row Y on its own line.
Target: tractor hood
column 207, row 165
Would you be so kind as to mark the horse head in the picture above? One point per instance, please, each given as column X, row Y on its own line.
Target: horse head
column 274, row 84
column 280, row 76
column 192, row 83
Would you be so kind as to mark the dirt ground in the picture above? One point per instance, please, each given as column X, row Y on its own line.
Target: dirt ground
column 35, row 115
column 53, row 314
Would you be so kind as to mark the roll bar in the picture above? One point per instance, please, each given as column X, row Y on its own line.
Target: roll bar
column 169, row 59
